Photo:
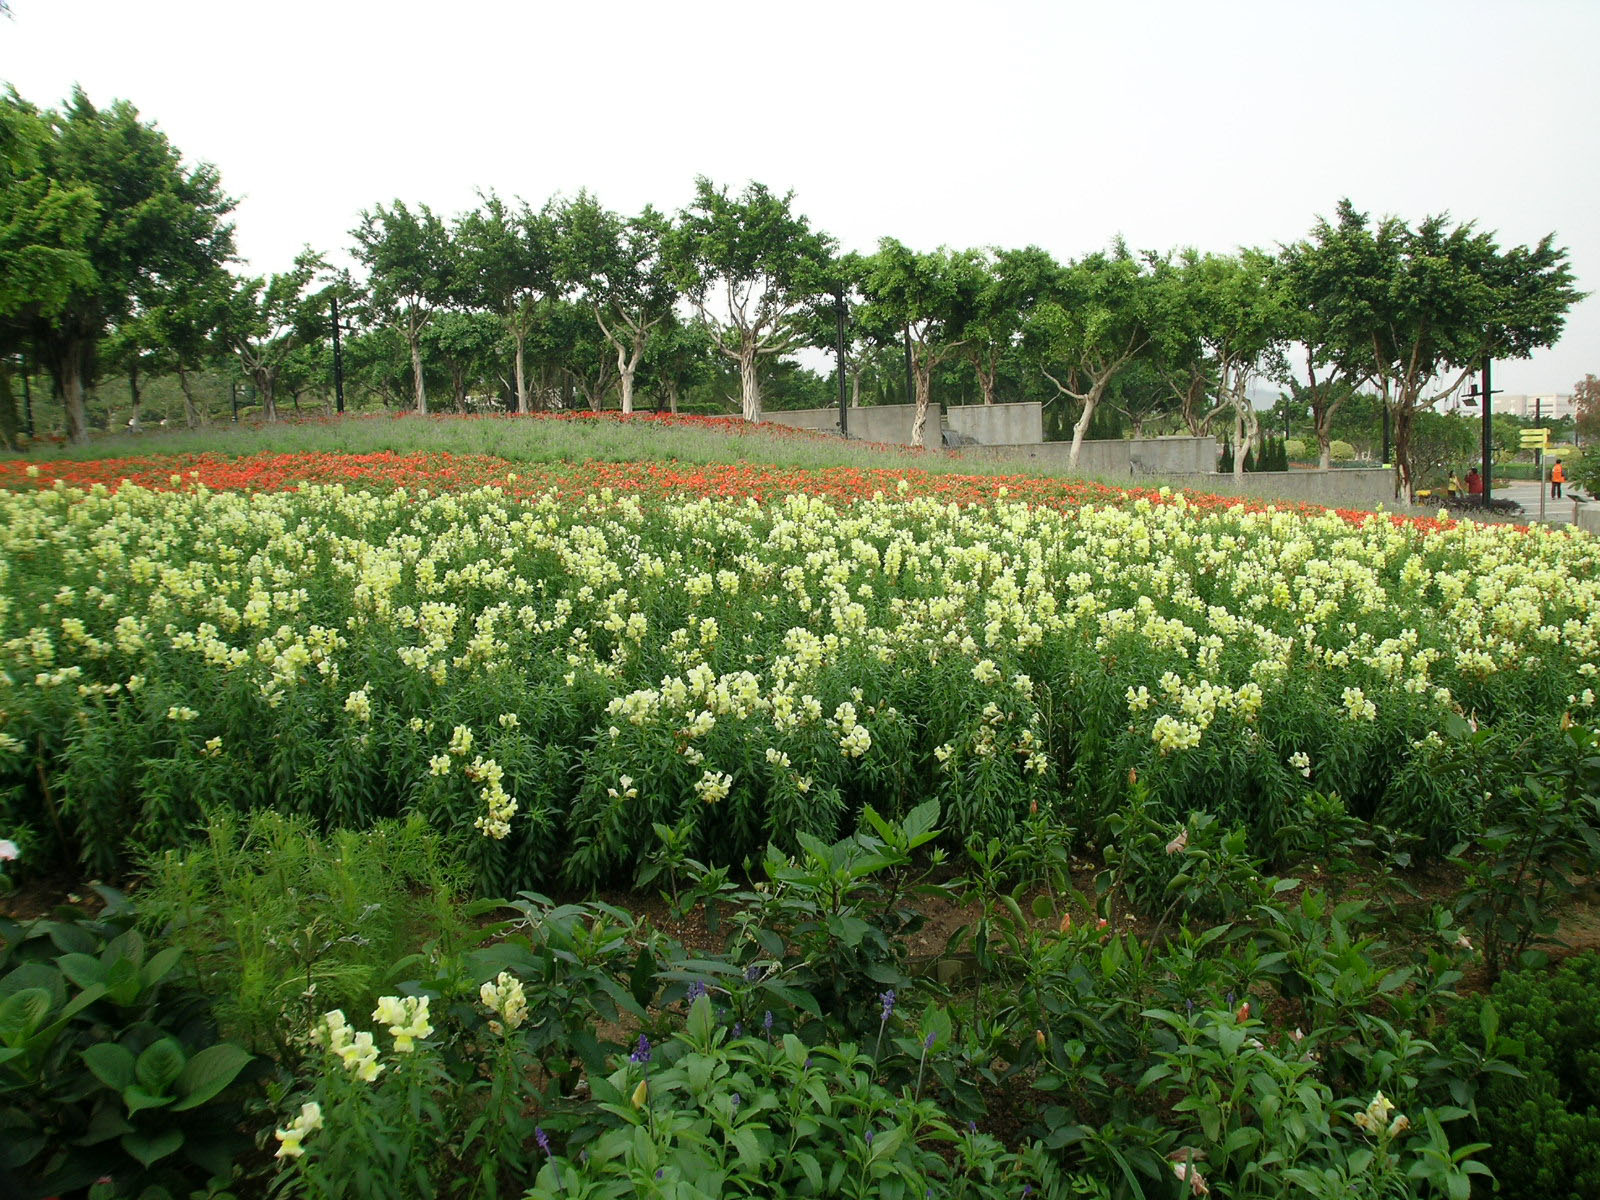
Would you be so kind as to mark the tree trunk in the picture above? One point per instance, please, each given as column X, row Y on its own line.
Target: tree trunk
column 419, row 390
column 1400, row 428
column 10, row 426
column 74, row 366
column 192, row 413
column 134, row 394
column 1325, row 441
column 922, row 390
column 267, row 391
column 520, row 338
column 458, row 385
column 986, row 378
column 1080, row 427
column 749, row 384
column 672, row 396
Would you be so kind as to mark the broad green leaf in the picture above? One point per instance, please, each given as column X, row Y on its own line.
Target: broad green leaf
column 208, row 1073
column 160, row 1064
column 151, row 1148
column 111, row 1064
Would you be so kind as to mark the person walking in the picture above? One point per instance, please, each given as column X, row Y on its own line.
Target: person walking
column 1558, row 476
column 1474, row 482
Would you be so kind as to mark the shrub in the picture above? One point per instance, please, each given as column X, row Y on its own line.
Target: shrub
column 1296, row 449
column 109, row 1063
column 1543, row 1125
column 284, row 924
column 1341, row 451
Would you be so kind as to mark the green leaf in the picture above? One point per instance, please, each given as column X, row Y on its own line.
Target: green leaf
column 159, row 1065
column 208, row 1073
column 701, row 1023
column 151, row 1148
column 159, row 967
column 111, row 1064
column 81, row 969
column 23, row 1012
column 137, row 1099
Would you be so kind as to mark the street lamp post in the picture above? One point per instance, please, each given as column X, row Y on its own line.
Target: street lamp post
column 1486, row 394
column 838, row 312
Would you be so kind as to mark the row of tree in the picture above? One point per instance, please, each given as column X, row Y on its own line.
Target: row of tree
column 114, row 253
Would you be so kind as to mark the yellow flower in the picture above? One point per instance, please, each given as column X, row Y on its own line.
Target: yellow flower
column 641, row 1093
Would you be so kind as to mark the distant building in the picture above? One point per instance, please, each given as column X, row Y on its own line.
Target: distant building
column 1547, row 406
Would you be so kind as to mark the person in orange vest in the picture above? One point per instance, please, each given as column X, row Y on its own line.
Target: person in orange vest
column 1558, row 476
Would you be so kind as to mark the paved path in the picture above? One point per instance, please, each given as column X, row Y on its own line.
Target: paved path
column 1526, row 493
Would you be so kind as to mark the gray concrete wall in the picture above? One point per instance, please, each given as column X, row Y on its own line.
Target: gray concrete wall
column 878, row 423
column 1114, row 459
column 1589, row 517
column 1353, row 488
column 998, row 424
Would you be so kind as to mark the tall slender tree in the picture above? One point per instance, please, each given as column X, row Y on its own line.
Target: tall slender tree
column 932, row 297
column 617, row 266
column 507, row 265
column 747, row 264
column 107, row 215
column 412, row 272
column 1092, row 319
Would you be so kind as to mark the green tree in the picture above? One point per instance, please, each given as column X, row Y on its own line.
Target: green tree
column 931, row 297
column 1334, row 366
column 267, row 319
column 506, row 265
column 411, row 273
column 1425, row 307
column 617, row 266
column 1238, row 310
column 1013, row 281
column 1091, row 321
column 679, row 358
column 1586, row 396
column 464, row 343
column 747, row 264
column 100, row 215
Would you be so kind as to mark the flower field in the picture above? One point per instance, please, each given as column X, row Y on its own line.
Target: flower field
column 546, row 663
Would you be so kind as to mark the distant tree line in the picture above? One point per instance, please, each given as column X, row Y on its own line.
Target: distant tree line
column 116, row 262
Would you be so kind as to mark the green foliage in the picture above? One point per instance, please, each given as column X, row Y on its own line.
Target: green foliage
column 1340, row 451
column 282, row 924
column 1542, row 1120
column 110, row 1065
column 1538, row 839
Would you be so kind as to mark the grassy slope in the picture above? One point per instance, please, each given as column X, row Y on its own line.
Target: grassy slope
column 538, row 440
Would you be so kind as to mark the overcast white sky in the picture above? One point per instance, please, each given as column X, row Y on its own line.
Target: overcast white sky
column 1173, row 122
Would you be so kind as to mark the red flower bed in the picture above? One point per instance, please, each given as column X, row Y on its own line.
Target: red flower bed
column 450, row 472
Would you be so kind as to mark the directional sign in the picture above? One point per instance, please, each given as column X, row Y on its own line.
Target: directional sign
column 1536, row 439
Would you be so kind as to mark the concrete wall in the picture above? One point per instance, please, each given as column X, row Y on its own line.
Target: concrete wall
column 1353, row 488
column 1589, row 517
column 998, row 424
column 1115, row 459
column 877, row 423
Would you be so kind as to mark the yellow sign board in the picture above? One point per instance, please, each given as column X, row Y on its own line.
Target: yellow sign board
column 1536, row 439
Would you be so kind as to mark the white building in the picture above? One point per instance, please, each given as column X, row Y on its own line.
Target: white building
column 1547, row 406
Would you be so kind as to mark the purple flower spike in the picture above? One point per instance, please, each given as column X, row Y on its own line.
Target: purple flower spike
column 766, row 1021
column 888, row 1003
column 927, row 1042
column 738, row 1029
column 869, row 1137
column 641, row 1053
column 696, row 990
column 543, row 1138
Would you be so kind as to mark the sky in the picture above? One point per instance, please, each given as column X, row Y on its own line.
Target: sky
column 1014, row 122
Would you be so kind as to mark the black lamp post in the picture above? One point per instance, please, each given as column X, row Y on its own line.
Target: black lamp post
column 1485, row 394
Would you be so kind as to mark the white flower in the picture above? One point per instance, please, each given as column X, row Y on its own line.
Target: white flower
column 309, row 1121
column 9, row 851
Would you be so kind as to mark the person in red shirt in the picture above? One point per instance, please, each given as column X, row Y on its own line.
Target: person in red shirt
column 1558, row 476
column 1474, row 482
